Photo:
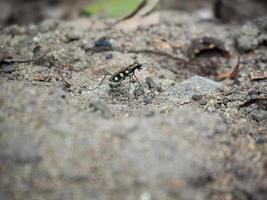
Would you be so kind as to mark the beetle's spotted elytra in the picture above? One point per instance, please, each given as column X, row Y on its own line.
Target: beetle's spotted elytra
column 125, row 72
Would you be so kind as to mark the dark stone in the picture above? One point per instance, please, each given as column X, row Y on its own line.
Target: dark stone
column 196, row 97
column 8, row 68
column 103, row 42
column 150, row 83
column 139, row 91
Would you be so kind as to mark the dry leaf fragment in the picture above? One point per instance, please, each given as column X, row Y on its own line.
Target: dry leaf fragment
column 40, row 77
column 257, row 76
column 232, row 74
column 235, row 71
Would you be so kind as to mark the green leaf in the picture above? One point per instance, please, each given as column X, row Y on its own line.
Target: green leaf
column 114, row 8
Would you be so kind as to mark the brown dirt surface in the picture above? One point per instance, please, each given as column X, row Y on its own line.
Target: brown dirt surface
column 180, row 133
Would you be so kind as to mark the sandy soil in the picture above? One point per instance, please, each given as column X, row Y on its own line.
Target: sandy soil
column 181, row 133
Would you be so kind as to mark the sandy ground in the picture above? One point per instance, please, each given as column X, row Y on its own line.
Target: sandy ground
column 181, row 133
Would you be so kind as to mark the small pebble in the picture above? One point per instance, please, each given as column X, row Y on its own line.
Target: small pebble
column 48, row 25
column 151, row 84
column 203, row 102
column 86, row 46
column 145, row 196
column 109, row 56
column 211, row 109
column 196, row 97
column 103, row 42
column 148, row 99
column 74, row 36
column 36, row 39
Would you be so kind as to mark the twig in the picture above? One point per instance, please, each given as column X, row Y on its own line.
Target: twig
column 232, row 74
column 4, row 61
column 235, row 71
column 140, row 6
column 259, row 100
column 145, row 8
column 140, row 51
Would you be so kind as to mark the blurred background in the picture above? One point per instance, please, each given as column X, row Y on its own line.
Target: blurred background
column 32, row 11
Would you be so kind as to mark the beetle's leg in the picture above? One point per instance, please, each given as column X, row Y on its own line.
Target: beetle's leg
column 136, row 78
column 129, row 89
column 139, row 83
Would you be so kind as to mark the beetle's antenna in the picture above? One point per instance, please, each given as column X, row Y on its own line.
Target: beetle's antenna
column 147, row 65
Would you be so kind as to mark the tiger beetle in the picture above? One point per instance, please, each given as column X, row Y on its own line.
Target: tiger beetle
column 122, row 74
column 126, row 72
column 115, row 80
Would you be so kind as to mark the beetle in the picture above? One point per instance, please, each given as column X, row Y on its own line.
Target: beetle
column 122, row 74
